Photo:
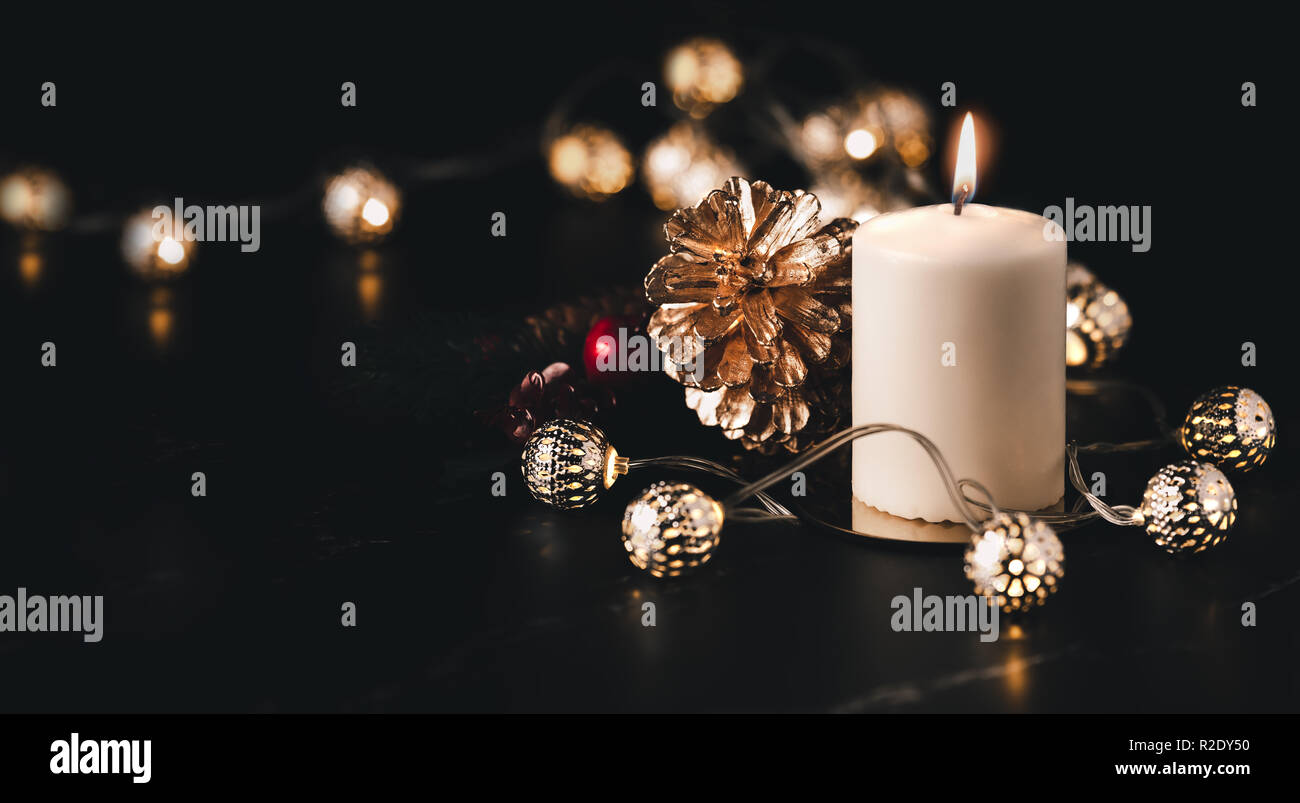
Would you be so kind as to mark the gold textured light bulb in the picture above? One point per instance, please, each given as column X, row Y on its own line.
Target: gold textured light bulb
column 1188, row 507
column 151, row 252
column 34, row 199
column 361, row 205
column 375, row 212
column 1231, row 426
column 702, row 73
column 591, row 162
column 860, row 143
column 1015, row 560
column 671, row 528
column 863, row 127
column 906, row 118
column 684, row 164
column 567, row 464
column 170, row 251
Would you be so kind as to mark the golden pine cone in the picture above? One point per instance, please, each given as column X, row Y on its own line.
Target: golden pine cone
column 753, row 300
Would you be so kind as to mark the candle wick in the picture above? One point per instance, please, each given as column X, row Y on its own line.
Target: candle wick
column 959, row 199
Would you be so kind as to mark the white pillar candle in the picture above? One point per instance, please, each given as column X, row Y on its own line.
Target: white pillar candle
column 959, row 334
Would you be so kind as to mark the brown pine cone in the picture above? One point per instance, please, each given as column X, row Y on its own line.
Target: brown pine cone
column 754, row 298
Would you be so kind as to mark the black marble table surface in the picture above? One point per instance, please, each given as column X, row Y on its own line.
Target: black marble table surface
column 372, row 485
column 321, row 493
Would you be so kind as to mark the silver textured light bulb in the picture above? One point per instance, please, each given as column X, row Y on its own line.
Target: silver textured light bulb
column 1230, row 426
column 1188, row 507
column 671, row 528
column 1015, row 560
column 567, row 464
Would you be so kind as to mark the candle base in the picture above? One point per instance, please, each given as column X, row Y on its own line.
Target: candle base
column 831, row 505
column 870, row 522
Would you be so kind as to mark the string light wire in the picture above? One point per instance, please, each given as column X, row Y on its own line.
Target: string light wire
column 774, row 508
column 973, row 511
column 951, row 484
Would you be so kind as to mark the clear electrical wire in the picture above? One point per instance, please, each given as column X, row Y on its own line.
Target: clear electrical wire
column 973, row 511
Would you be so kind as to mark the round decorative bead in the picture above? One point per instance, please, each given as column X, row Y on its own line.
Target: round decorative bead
column 1015, row 560
column 1230, row 426
column 671, row 528
column 1188, row 506
column 1097, row 320
column 566, row 464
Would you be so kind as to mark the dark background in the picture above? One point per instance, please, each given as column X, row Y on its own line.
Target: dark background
column 371, row 485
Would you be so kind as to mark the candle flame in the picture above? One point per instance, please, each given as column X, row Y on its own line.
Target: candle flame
column 963, row 181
